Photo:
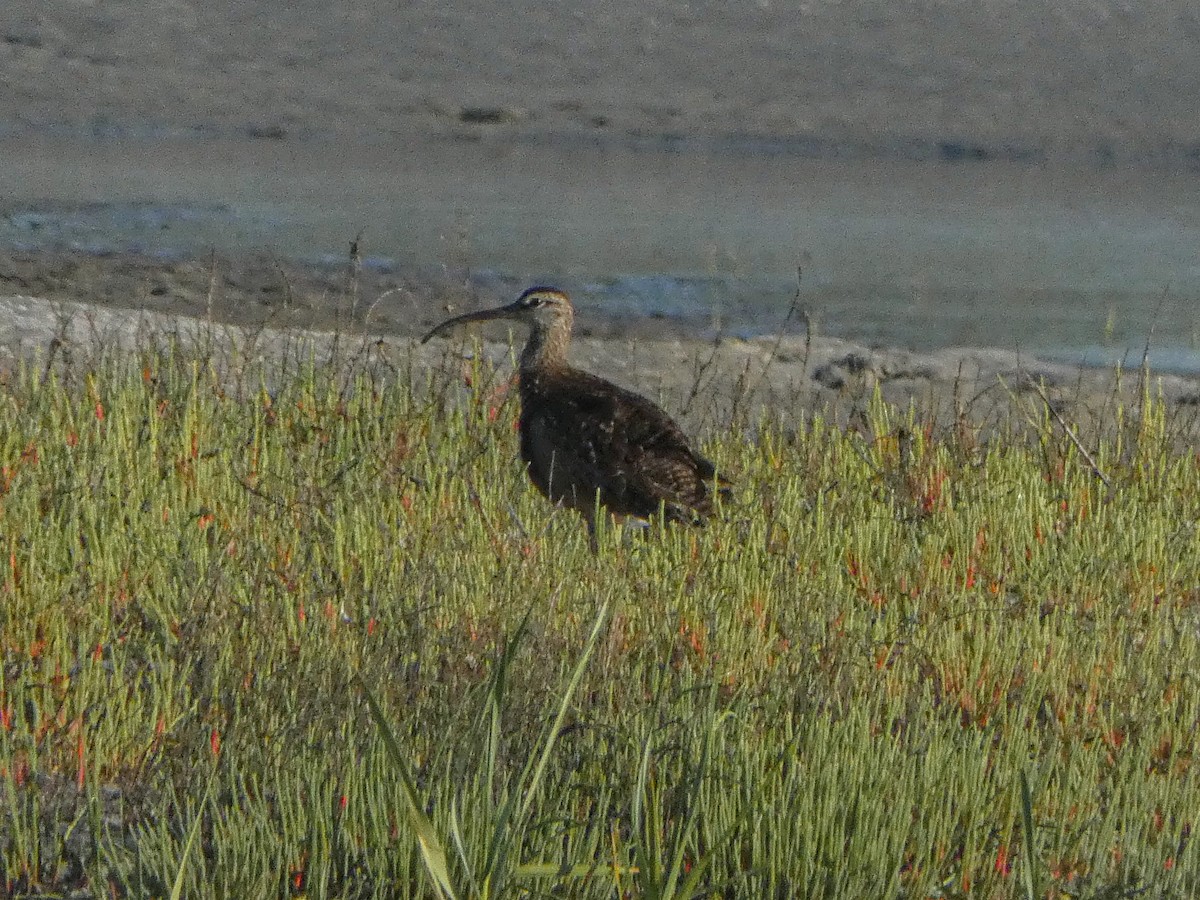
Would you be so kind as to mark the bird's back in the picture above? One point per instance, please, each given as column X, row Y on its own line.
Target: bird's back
column 581, row 435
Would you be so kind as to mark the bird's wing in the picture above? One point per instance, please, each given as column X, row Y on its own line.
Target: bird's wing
column 612, row 440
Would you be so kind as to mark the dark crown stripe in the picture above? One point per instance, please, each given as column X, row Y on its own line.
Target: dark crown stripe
column 543, row 290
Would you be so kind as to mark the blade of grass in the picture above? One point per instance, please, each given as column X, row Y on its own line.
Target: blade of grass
column 181, row 871
column 530, row 782
column 432, row 852
column 1027, row 878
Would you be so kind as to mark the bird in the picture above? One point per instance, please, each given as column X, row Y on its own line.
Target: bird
column 589, row 444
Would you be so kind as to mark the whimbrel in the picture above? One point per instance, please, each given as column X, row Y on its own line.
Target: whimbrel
column 586, row 441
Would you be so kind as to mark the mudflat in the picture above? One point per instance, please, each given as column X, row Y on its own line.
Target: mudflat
column 1100, row 81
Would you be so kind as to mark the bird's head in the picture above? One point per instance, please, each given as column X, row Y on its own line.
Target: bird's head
column 542, row 308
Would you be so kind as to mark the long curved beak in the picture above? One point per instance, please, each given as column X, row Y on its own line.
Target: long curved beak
column 511, row 311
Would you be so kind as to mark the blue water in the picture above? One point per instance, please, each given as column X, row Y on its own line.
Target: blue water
column 1079, row 264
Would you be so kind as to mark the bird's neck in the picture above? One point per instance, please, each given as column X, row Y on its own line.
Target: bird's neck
column 547, row 347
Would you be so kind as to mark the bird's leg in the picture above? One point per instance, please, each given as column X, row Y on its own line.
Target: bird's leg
column 589, row 518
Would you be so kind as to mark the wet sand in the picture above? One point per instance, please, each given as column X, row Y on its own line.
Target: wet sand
column 1076, row 263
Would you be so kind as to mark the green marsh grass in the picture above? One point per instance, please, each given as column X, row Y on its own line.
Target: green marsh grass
column 904, row 663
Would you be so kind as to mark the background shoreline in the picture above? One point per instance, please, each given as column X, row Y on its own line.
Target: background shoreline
column 706, row 381
column 1079, row 266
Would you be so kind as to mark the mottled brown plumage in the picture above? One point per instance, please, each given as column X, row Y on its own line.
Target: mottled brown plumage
column 584, row 439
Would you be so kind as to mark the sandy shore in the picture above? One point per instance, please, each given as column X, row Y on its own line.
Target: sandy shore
column 255, row 310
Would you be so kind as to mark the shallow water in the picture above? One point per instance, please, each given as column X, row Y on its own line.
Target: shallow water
column 1072, row 263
